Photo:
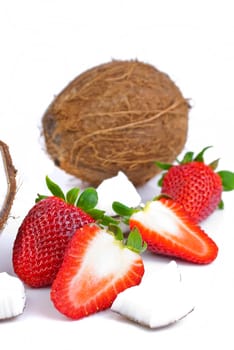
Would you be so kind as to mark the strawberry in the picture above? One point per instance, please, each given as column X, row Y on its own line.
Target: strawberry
column 196, row 185
column 43, row 236
column 96, row 267
column 167, row 230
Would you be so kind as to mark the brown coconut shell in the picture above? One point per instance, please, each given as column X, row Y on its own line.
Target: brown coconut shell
column 10, row 174
column 121, row 115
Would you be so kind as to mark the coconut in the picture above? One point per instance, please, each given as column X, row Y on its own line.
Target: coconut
column 118, row 116
column 9, row 173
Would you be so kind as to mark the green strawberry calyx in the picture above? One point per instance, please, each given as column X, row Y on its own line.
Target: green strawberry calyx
column 133, row 241
column 227, row 177
column 87, row 201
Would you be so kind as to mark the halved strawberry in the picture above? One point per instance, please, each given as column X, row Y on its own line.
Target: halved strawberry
column 167, row 229
column 96, row 267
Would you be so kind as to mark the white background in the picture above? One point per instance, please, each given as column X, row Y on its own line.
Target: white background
column 44, row 45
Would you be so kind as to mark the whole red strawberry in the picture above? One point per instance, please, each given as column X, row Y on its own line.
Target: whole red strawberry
column 43, row 236
column 196, row 185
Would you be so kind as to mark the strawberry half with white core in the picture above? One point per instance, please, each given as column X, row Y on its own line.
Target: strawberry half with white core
column 46, row 230
column 167, row 230
column 196, row 185
column 12, row 296
column 117, row 188
column 96, row 267
column 161, row 299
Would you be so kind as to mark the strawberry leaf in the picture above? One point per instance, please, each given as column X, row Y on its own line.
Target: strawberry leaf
column 188, row 157
column 101, row 218
column 135, row 243
column 227, row 178
column 163, row 166
column 40, row 197
column 214, row 164
column 221, row 204
column 160, row 181
column 108, row 220
column 72, row 195
column 88, row 199
column 54, row 188
column 96, row 214
column 117, row 232
column 199, row 157
column 122, row 209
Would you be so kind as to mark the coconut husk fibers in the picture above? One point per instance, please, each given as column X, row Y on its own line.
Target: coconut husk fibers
column 10, row 174
column 121, row 115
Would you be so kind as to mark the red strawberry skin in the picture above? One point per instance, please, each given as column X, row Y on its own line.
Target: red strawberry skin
column 42, row 238
column 168, row 230
column 95, row 269
column 195, row 186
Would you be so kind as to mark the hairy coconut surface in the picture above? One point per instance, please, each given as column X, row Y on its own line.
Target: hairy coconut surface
column 121, row 115
column 10, row 175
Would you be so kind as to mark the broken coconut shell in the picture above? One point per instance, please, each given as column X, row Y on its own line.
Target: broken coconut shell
column 10, row 175
column 118, row 116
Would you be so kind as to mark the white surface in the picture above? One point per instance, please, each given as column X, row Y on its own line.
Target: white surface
column 44, row 45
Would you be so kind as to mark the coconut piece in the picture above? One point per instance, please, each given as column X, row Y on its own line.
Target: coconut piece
column 117, row 188
column 12, row 296
column 8, row 188
column 118, row 116
column 160, row 300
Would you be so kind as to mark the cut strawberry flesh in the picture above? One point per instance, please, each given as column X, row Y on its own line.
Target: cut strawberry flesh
column 167, row 229
column 95, row 269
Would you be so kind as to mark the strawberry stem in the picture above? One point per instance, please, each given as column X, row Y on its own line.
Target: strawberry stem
column 103, row 220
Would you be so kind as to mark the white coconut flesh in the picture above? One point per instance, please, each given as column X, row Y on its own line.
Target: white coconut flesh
column 117, row 188
column 160, row 300
column 12, row 296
